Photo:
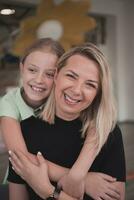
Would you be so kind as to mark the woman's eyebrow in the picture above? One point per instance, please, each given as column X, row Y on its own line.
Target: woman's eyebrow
column 73, row 72
column 93, row 81
column 90, row 80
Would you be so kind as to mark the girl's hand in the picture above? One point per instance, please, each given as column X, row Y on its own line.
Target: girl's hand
column 35, row 175
column 101, row 186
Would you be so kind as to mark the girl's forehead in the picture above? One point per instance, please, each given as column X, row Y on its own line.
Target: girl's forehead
column 37, row 55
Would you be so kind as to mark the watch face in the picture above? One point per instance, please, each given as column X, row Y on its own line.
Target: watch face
column 50, row 28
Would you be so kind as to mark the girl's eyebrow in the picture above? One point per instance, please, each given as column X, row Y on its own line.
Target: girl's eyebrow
column 33, row 65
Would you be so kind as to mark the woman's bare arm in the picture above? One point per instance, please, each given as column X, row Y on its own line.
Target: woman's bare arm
column 35, row 176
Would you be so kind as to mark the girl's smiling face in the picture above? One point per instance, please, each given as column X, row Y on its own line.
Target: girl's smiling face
column 76, row 86
column 37, row 74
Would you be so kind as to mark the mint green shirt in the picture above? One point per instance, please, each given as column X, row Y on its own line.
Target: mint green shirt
column 12, row 105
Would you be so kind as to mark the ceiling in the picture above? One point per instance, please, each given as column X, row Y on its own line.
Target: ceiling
column 9, row 24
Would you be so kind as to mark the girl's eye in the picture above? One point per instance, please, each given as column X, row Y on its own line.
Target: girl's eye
column 50, row 75
column 32, row 70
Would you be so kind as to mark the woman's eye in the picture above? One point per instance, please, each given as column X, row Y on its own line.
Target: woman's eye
column 90, row 85
column 70, row 76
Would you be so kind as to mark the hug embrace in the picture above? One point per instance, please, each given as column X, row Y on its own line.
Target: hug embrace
column 82, row 153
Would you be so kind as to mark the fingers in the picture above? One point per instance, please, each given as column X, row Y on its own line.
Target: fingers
column 110, row 192
column 113, row 192
column 107, row 177
column 16, row 164
column 14, row 160
column 109, row 196
column 40, row 158
column 19, row 157
column 19, row 162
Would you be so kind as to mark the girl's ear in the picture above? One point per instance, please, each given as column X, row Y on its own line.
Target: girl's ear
column 21, row 67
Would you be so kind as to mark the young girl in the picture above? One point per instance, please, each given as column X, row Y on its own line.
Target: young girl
column 37, row 68
column 81, row 100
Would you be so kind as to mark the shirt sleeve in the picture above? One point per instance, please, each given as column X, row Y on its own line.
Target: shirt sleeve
column 8, row 107
column 114, row 158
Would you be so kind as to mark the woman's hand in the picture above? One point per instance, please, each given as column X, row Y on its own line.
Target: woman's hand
column 33, row 158
column 35, row 175
column 101, row 186
column 72, row 185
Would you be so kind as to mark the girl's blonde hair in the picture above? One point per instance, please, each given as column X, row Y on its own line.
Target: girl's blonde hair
column 44, row 45
column 100, row 117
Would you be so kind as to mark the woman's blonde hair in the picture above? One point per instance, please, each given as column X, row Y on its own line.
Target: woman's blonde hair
column 100, row 117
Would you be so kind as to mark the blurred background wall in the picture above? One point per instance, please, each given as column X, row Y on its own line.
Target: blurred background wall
column 120, row 50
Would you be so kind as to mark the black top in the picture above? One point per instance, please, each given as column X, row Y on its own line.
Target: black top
column 61, row 143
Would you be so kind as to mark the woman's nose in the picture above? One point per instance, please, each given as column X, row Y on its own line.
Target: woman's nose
column 77, row 89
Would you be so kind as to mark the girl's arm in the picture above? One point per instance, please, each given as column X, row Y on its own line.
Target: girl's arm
column 17, row 191
column 13, row 138
column 14, row 141
column 12, row 134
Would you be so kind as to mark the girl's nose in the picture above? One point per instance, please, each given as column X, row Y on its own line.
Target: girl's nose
column 39, row 78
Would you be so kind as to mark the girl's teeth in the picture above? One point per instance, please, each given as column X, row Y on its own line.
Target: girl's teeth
column 37, row 89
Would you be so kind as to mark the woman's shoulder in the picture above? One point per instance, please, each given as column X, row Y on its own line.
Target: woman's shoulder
column 115, row 135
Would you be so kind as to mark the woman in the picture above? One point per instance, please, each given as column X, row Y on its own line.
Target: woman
column 81, row 101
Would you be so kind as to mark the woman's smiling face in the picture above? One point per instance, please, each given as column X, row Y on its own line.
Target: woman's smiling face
column 76, row 86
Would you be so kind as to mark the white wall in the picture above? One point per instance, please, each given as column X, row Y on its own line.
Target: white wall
column 120, row 50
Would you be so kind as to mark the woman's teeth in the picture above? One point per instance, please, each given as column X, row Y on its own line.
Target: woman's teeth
column 70, row 100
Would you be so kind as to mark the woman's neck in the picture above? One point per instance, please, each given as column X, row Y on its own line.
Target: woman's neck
column 67, row 117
